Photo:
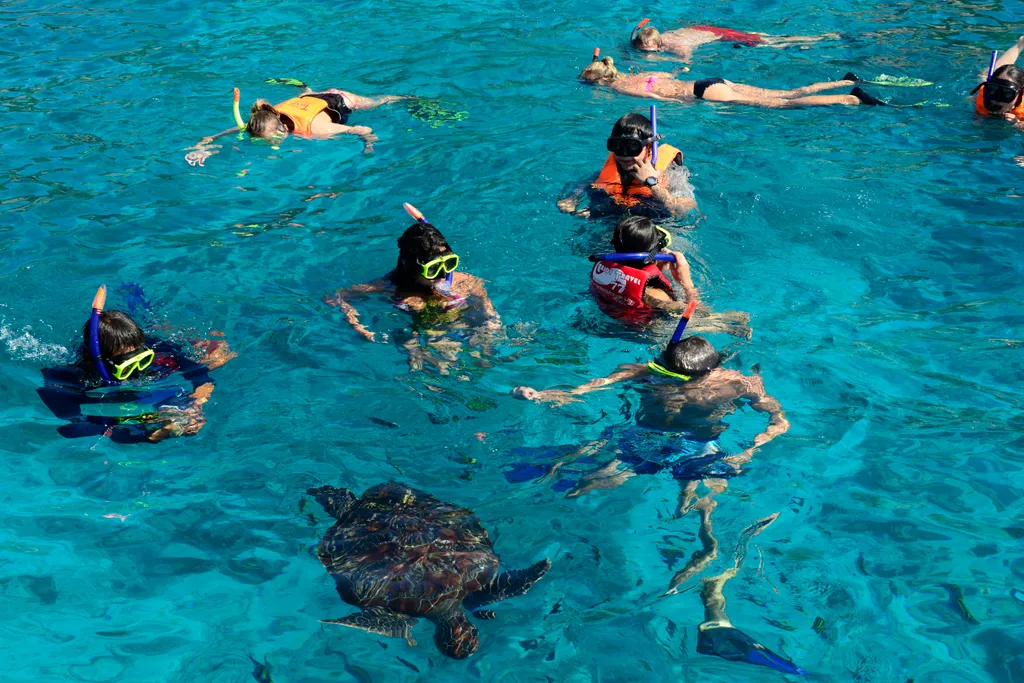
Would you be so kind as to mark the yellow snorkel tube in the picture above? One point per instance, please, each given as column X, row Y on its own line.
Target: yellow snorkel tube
column 238, row 114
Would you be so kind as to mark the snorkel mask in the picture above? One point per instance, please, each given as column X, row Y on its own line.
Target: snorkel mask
column 446, row 263
column 1000, row 94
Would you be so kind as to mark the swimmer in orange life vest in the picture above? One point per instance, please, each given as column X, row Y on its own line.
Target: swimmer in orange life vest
column 448, row 307
column 1002, row 93
column 629, row 181
column 661, row 85
column 682, row 42
column 633, row 291
column 311, row 114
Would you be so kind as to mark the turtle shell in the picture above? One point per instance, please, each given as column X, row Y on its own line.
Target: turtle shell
column 406, row 550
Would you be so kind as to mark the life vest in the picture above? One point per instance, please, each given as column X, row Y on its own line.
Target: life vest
column 301, row 111
column 620, row 289
column 979, row 105
column 610, row 182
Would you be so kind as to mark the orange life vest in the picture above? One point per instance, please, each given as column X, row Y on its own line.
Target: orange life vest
column 979, row 106
column 301, row 111
column 610, row 182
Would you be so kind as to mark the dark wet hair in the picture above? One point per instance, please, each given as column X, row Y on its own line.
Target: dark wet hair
column 1010, row 72
column 118, row 333
column 693, row 356
column 419, row 244
column 633, row 126
column 636, row 233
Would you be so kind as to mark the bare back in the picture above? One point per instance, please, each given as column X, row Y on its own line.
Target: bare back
column 665, row 86
column 699, row 403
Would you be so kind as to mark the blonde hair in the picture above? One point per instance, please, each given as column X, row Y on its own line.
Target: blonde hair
column 600, row 70
column 648, row 38
column 264, row 119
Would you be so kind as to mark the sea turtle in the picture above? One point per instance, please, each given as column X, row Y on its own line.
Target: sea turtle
column 398, row 553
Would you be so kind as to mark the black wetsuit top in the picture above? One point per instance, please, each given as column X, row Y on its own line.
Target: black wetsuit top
column 67, row 388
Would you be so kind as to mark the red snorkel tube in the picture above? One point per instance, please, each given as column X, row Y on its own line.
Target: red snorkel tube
column 418, row 217
column 643, row 22
column 98, row 302
column 678, row 334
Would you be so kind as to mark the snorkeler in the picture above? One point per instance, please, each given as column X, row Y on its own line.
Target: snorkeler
column 682, row 42
column 311, row 114
column 630, row 178
column 684, row 400
column 633, row 290
column 661, row 85
column 121, row 371
column 1002, row 93
column 426, row 283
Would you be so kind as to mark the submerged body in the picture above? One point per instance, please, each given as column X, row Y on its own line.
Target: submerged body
column 683, row 41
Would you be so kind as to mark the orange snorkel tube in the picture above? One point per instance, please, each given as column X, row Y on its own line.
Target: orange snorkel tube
column 643, row 22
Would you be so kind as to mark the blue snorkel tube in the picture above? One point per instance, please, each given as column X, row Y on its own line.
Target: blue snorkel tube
column 98, row 302
column 683, row 321
column 992, row 64
column 654, row 134
column 634, row 256
column 418, row 216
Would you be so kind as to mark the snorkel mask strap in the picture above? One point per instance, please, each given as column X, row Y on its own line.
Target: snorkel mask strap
column 683, row 321
column 98, row 302
column 643, row 22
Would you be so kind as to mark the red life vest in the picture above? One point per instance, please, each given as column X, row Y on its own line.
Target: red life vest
column 620, row 289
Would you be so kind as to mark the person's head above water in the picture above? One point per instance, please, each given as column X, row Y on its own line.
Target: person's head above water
column 636, row 234
column 119, row 334
column 265, row 122
column 647, row 39
column 692, row 356
column 630, row 139
column 1005, row 89
column 418, row 246
column 600, row 70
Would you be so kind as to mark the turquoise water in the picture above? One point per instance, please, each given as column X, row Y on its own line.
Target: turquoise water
column 878, row 251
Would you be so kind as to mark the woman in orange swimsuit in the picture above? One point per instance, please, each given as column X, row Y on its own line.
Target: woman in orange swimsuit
column 311, row 114
column 682, row 42
column 660, row 85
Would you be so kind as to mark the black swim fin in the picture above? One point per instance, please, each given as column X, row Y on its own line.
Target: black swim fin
column 866, row 98
column 850, row 76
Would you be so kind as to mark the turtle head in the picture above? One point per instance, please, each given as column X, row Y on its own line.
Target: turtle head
column 456, row 637
column 336, row 501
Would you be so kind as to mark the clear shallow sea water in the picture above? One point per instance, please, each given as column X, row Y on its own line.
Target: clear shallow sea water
column 878, row 251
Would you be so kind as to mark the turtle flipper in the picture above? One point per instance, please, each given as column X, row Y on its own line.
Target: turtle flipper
column 507, row 585
column 379, row 620
column 336, row 501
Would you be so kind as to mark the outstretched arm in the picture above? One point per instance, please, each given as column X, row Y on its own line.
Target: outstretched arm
column 201, row 151
column 1008, row 57
column 763, row 403
column 351, row 314
column 365, row 132
column 571, row 202
column 557, row 397
column 476, row 288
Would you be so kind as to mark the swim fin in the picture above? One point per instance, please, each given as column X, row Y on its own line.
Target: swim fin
column 286, row 81
column 734, row 645
column 866, row 98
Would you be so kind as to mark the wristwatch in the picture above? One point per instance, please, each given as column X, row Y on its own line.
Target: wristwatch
column 651, row 181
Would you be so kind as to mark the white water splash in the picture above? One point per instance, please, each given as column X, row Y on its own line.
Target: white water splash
column 21, row 345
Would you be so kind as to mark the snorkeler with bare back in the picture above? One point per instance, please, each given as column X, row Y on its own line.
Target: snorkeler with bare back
column 661, row 85
column 683, row 41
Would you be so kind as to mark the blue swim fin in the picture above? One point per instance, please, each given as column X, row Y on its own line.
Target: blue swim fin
column 734, row 645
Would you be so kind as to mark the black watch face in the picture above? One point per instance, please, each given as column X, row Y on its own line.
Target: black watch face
column 652, row 181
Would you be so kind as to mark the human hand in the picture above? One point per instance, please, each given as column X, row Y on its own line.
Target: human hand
column 552, row 396
column 643, row 169
column 178, row 422
column 216, row 353
column 202, row 151
column 567, row 204
column 368, row 141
